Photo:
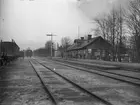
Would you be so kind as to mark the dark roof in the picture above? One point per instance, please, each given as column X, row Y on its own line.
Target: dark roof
column 85, row 44
column 72, row 47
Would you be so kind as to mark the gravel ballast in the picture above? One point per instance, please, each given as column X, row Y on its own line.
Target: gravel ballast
column 118, row 93
column 19, row 85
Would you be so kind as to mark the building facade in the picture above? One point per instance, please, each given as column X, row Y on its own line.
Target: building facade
column 90, row 48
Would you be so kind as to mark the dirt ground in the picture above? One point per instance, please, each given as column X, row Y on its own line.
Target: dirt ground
column 19, row 85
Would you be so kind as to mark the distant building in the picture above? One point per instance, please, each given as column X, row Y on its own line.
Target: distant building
column 90, row 48
column 57, row 53
column 9, row 47
column 61, row 52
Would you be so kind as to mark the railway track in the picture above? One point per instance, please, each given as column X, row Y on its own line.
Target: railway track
column 1, row 67
column 120, row 77
column 90, row 62
column 137, row 71
column 121, row 68
column 112, row 72
column 93, row 62
column 49, row 72
column 54, row 102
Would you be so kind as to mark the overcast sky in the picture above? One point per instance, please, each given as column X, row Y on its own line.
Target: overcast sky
column 28, row 21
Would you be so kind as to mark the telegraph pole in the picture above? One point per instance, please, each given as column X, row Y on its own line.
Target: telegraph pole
column 78, row 31
column 51, row 35
column 1, row 24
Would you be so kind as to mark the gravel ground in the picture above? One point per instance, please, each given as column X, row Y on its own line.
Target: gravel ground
column 112, row 91
column 128, row 73
column 112, row 63
column 116, row 92
column 64, row 92
column 19, row 85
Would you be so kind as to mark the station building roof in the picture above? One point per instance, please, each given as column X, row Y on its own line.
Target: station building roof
column 83, row 44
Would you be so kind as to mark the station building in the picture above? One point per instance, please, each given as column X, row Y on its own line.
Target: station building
column 90, row 48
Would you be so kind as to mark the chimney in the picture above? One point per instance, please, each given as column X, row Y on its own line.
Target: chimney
column 82, row 38
column 89, row 37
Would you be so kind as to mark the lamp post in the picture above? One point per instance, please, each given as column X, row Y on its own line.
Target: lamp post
column 51, row 42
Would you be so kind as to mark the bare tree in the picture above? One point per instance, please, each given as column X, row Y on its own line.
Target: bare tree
column 108, row 28
column 120, row 32
column 65, row 43
column 111, row 28
column 97, row 31
column 48, row 44
column 101, row 29
column 133, row 23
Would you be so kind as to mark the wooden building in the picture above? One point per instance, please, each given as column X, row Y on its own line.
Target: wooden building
column 90, row 48
column 9, row 48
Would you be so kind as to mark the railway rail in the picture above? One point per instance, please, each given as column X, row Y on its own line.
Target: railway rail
column 54, row 102
column 80, row 88
column 120, row 67
column 111, row 72
column 134, row 70
column 93, row 62
column 120, row 77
